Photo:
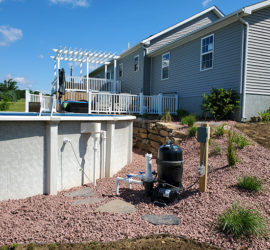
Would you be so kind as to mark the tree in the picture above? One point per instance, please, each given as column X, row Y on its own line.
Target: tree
column 9, row 90
column 8, row 85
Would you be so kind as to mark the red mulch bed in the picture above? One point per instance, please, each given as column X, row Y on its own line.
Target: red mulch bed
column 47, row 219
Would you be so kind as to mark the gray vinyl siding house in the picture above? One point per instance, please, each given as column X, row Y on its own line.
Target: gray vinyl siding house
column 132, row 81
column 185, row 75
column 240, row 59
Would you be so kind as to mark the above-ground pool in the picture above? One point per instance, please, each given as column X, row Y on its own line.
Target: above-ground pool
column 45, row 154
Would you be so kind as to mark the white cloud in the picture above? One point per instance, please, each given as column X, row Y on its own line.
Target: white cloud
column 206, row 2
column 22, row 81
column 9, row 35
column 74, row 3
column 41, row 56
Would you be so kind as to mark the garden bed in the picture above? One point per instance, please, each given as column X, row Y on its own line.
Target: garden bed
column 259, row 132
column 48, row 219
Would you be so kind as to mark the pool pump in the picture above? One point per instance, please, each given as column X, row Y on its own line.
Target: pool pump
column 165, row 185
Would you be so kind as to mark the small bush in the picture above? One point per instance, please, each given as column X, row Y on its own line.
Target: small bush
column 265, row 115
column 192, row 131
column 220, row 131
column 181, row 113
column 240, row 140
column 166, row 116
column 145, row 116
column 216, row 150
column 189, row 120
column 4, row 106
column 250, row 183
column 239, row 221
column 220, row 103
column 231, row 153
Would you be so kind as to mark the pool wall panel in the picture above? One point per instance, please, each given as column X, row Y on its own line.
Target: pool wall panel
column 24, row 152
column 23, row 159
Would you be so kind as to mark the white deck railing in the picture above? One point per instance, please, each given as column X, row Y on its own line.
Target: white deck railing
column 47, row 103
column 77, row 83
column 127, row 103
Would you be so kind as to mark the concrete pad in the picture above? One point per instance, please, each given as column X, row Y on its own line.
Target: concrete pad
column 161, row 219
column 84, row 192
column 117, row 206
column 86, row 201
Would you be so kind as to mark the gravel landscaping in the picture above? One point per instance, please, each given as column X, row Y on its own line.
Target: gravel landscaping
column 46, row 219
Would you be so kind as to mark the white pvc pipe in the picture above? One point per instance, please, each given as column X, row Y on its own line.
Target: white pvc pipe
column 148, row 166
column 128, row 180
column 95, row 156
column 103, row 154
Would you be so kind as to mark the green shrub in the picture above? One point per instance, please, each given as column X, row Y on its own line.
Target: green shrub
column 220, row 103
column 220, row 131
column 166, row 116
column 250, row 183
column 13, row 246
column 181, row 113
column 192, row 131
column 240, row 140
column 239, row 221
column 231, row 153
column 4, row 106
column 265, row 115
column 189, row 120
column 145, row 116
column 216, row 150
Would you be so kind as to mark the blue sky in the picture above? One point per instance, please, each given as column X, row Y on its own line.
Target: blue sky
column 30, row 29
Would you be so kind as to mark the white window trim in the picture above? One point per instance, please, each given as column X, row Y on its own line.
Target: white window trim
column 138, row 63
column 162, row 79
column 122, row 70
column 207, row 52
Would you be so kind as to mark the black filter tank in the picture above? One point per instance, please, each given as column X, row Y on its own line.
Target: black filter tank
column 170, row 164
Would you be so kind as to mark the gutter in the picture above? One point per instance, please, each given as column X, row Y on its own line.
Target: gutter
column 245, row 66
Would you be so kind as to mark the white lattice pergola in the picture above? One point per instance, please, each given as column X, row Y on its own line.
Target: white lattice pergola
column 82, row 56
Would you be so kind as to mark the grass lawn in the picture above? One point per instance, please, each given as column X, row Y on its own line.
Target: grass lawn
column 259, row 132
column 18, row 106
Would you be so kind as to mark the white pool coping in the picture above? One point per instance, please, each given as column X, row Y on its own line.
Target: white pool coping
column 66, row 118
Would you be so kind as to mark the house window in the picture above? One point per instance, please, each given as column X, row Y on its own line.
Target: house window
column 165, row 66
column 207, row 52
column 109, row 75
column 136, row 63
column 120, row 69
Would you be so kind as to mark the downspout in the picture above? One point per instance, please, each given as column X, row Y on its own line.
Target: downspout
column 244, row 80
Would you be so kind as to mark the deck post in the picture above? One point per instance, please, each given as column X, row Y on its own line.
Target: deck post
column 141, row 103
column 27, row 100
column 87, row 72
column 106, row 70
column 58, row 67
column 114, row 76
column 89, row 101
column 160, row 104
column 55, row 69
column 81, row 70
column 40, row 100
